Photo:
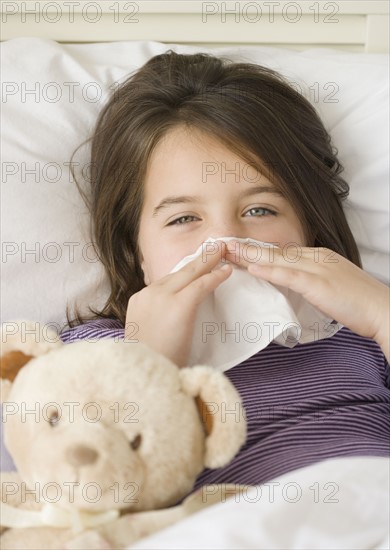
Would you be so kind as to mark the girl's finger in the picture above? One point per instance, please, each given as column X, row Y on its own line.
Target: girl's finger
column 297, row 257
column 295, row 279
column 201, row 265
column 196, row 291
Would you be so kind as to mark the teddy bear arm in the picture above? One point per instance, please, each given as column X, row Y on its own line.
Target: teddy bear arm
column 34, row 538
column 14, row 492
column 126, row 530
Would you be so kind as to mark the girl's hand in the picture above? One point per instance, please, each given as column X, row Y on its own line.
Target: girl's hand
column 162, row 315
column 333, row 284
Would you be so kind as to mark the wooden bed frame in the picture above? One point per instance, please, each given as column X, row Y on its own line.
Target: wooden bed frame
column 352, row 25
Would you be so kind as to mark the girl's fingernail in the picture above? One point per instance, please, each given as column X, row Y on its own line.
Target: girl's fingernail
column 225, row 267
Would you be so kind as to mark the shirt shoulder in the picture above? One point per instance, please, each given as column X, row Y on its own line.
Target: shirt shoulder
column 92, row 331
column 345, row 360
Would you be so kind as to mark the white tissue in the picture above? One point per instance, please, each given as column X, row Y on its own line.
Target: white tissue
column 245, row 313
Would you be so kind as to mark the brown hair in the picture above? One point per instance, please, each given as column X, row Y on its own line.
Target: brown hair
column 250, row 109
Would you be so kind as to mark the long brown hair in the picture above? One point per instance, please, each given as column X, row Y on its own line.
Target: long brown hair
column 252, row 110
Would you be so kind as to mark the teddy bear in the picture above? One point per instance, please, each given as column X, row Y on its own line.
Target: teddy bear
column 107, row 436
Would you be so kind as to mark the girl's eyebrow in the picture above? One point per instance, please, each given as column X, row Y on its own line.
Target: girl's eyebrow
column 183, row 199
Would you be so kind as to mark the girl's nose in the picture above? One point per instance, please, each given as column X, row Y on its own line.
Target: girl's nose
column 226, row 230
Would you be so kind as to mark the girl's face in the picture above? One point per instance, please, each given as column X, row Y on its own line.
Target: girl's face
column 196, row 188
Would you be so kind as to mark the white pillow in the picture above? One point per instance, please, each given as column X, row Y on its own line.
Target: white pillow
column 52, row 94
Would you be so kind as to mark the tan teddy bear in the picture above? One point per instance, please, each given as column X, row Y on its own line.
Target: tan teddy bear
column 105, row 435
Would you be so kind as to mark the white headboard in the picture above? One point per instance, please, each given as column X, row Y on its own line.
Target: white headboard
column 354, row 25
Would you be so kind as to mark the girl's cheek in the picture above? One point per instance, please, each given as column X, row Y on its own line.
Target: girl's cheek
column 160, row 269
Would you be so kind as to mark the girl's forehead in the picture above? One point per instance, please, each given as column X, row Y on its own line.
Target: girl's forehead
column 181, row 139
column 196, row 153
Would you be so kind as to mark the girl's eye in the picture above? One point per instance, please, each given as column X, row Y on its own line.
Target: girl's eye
column 179, row 221
column 176, row 222
column 263, row 209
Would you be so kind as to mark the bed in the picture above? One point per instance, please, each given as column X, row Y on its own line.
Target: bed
column 60, row 60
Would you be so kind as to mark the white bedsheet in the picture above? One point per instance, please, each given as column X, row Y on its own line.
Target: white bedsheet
column 339, row 503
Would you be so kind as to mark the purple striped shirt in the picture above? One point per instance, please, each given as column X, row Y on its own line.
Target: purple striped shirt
column 314, row 401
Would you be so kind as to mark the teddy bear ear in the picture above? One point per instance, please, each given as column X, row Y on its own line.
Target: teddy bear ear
column 221, row 412
column 21, row 341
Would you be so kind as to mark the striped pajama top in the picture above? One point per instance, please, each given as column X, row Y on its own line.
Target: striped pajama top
column 327, row 398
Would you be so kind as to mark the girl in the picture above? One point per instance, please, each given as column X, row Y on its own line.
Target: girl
column 192, row 146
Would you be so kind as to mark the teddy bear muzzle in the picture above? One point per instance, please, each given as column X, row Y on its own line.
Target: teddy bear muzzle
column 81, row 455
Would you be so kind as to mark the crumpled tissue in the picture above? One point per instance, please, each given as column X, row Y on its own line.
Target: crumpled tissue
column 245, row 313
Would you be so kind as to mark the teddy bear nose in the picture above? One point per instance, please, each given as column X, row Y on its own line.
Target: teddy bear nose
column 81, row 455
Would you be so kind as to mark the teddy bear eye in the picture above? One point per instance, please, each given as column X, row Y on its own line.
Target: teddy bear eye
column 54, row 418
column 136, row 442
